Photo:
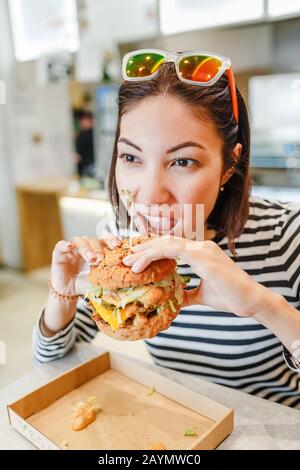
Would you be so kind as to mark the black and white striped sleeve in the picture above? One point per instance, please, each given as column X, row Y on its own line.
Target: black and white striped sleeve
column 81, row 328
column 291, row 245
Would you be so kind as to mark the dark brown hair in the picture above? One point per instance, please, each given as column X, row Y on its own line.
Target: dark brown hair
column 212, row 103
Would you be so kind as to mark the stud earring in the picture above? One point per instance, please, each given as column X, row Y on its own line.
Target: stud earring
column 221, row 189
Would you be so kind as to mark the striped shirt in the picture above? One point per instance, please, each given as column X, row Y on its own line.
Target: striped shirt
column 219, row 346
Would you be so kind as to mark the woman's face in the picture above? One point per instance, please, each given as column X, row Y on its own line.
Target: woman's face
column 167, row 156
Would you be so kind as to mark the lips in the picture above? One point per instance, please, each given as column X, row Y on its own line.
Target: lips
column 158, row 224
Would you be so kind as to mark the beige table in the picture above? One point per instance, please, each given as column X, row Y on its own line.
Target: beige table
column 259, row 424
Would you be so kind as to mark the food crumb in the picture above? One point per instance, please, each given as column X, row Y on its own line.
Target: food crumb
column 190, row 432
column 64, row 445
column 84, row 414
column 150, row 391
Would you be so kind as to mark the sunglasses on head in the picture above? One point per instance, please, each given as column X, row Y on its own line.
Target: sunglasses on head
column 194, row 68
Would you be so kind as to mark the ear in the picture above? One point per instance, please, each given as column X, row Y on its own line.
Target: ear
column 236, row 154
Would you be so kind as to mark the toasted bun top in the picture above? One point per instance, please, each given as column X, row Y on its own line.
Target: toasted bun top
column 112, row 274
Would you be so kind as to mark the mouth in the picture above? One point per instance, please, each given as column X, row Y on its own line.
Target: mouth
column 157, row 225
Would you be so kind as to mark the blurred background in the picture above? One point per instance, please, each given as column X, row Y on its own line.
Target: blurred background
column 60, row 63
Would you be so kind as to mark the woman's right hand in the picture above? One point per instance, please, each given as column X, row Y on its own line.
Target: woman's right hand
column 69, row 257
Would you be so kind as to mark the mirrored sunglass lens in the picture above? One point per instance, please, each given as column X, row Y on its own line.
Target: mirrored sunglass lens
column 199, row 68
column 143, row 65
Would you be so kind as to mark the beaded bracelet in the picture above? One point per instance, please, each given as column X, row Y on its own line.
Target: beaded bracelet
column 62, row 297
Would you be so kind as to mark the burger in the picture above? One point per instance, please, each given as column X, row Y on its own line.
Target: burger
column 132, row 306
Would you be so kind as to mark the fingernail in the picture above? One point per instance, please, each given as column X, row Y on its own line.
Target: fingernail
column 136, row 268
column 128, row 259
column 91, row 256
column 136, row 248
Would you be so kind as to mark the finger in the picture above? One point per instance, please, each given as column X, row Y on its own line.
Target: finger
column 111, row 241
column 146, row 244
column 62, row 252
column 147, row 258
column 95, row 253
column 62, row 247
column 83, row 248
column 153, row 253
column 63, row 257
column 191, row 297
column 129, row 260
column 161, row 250
column 154, row 242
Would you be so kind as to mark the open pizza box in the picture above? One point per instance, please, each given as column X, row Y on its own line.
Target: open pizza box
column 139, row 408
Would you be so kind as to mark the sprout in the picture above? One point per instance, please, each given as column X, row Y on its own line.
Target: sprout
column 172, row 306
column 128, row 194
column 131, row 198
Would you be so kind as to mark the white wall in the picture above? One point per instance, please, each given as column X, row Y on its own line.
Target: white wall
column 286, row 39
column 106, row 23
column 9, row 229
column 248, row 47
column 30, row 108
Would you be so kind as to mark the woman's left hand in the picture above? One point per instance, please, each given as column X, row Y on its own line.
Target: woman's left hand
column 223, row 286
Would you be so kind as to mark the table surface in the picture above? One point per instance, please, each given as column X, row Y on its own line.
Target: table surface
column 259, row 424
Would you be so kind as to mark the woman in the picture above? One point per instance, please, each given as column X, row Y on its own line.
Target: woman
column 183, row 138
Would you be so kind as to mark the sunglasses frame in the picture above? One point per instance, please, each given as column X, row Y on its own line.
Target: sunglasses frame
column 176, row 58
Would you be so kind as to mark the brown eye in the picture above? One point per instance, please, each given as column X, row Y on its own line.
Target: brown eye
column 182, row 162
column 127, row 157
column 185, row 162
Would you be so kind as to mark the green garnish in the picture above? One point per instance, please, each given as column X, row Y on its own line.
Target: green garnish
column 190, row 432
column 159, row 309
column 128, row 194
column 95, row 290
column 163, row 283
column 171, row 305
column 115, row 311
column 126, row 289
column 185, row 279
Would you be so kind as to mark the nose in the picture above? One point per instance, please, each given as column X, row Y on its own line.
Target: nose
column 154, row 190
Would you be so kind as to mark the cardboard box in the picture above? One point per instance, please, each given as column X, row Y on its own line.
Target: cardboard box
column 139, row 408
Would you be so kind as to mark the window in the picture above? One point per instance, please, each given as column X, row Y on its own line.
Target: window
column 43, row 27
column 283, row 7
column 186, row 15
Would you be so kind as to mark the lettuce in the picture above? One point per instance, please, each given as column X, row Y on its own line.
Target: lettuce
column 131, row 296
column 178, row 289
column 184, row 279
column 95, row 291
column 159, row 309
column 171, row 305
column 163, row 283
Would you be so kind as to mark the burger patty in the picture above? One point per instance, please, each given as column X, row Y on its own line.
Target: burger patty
column 153, row 295
column 156, row 296
column 139, row 326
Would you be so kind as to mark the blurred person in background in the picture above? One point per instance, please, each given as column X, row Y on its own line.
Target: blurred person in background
column 85, row 144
